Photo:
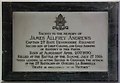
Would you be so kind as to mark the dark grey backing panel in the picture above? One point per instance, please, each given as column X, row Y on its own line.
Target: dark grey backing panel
column 9, row 7
column 113, row 42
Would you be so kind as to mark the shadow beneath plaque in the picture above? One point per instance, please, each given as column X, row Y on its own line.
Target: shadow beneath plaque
column 59, row 82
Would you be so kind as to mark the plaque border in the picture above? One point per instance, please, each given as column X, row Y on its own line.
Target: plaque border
column 9, row 7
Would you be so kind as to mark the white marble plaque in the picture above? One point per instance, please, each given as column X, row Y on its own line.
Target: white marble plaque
column 60, row 41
